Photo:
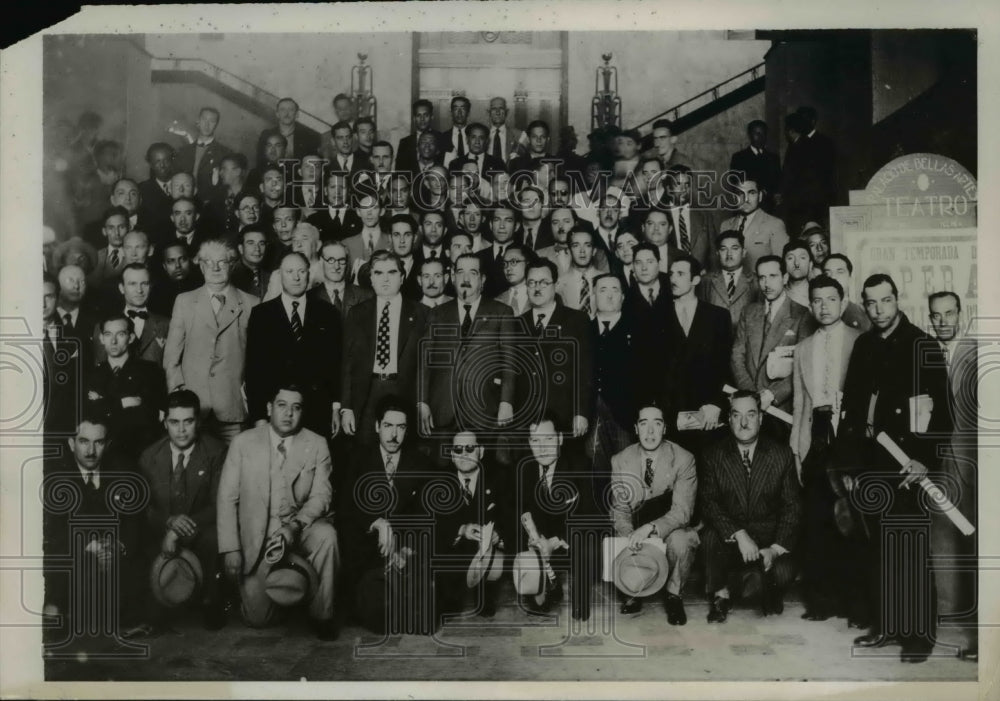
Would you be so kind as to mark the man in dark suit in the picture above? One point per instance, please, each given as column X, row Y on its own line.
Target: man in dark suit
column 751, row 505
column 347, row 158
column 648, row 298
column 76, row 314
column 655, row 483
column 300, row 141
column 807, row 179
column 476, row 135
column 335, row 288
column 503, row 222
column 406, row 152
column 61, row 368
column 292, row 338
column 538, row 148
column 337, row 221
column 369, row 526
column 402, row 235
column 150, row 328
column 619, row 362
column 182, row 470
column 203, row 156
column 475, row 495
column 175, row 275
column 731, row 287
column 473, row 332
column 555, row 488
column 97, row 564
column 220, row 202
column 563, row 360
column 699, row 338
column 765, row 338
column 956, row 582
column 155, row 199
column 251, row 273
column 894, row 370
column 454, row 143
column 759, row 164
column 381, row 346
column 133, row 389
column 693, row 228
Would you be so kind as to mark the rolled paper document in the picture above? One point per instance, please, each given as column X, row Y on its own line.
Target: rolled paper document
column 529, row 527
column 933, row 491
column 772, row 410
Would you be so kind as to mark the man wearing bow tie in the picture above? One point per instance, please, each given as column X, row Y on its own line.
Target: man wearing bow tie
column 555, row 487
column 132, row 388
column 203, row 156
column 206, row 344
column 150, row 329
column 654, row 484
column 295, row 338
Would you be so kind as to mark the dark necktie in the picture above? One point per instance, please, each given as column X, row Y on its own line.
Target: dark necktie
column 767, row 327
column 179, row 467
column 607, row 328
column 460, row 151
column 731, row 285
column 743, row 223
column 529, row 238
column 652, row 296
column 115, row 258
column 544, row 483
column 137, row 314
column 256, row 281
column 685, row 239
column 296, row 322
column 585, row 295
column 382, row 342
column 467, row 490
column 336, row 217
column 68, row 321
column 539, row 326
column 647, row 474
column 497, row 147
column 89, row 479
column 467, row 321
column 221, row 299
column 746, row 462
column 337, row 302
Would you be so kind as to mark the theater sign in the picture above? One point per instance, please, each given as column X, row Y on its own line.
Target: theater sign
column 916, row 221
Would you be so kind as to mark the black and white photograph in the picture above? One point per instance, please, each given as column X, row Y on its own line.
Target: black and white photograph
column 423, row 342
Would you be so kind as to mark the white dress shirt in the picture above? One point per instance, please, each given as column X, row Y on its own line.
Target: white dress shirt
column 95, row 473
column 827, row 351
column 138, row 323
column 286, row 302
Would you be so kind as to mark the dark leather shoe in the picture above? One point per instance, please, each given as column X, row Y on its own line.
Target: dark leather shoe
column 875, row 639
column 718, row 610
column 914, row 656
column 489, row 608
column 327, row 630
column 631, row 606
column 771, row 601
column 816, row 615
column 675, row 610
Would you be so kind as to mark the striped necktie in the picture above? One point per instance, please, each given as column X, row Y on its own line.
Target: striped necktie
column 296, row 322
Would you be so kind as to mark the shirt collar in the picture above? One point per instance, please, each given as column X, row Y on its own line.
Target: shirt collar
column 751, row 449
column 117, row 363
column 475, row 306
column 613, row 318
column 202, row 141
column 96, row 473
column 547, row 310
column 385, row 458
column 777, row 302
column 276, row 439
column 175, row 451
column 286, row 301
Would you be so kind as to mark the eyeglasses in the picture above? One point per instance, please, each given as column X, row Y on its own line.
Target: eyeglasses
column 467, row 449
column 538, row 283
column 512, row 262
column 215, row 264
column 250, row 208
column 335, row 261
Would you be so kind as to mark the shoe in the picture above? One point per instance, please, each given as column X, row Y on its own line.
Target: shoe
column 875, row 639
column 968, row 654
column 718, row 609
column 675, row 610
column 489, row 608
column 532, row 608
column 631, row 606
column 771, row 600
column 914, row 655
column 326, row 630
column 858, row 622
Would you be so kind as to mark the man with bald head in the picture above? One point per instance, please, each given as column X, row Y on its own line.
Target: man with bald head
column 76, row 317
column 503, row 142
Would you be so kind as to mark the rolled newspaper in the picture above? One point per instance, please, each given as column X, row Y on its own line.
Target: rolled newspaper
column 933, row 491
column 772, row 410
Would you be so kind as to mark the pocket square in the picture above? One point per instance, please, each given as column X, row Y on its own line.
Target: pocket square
column 490, row 506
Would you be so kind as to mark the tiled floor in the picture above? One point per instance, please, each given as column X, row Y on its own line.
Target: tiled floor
column 515, row 646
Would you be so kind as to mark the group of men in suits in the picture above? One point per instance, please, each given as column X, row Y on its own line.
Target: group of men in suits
column 505, row 326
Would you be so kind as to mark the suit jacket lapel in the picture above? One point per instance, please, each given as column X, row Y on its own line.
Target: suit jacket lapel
column 262, row 447
column 738, row 473
column 193, row 475
column 405, row 326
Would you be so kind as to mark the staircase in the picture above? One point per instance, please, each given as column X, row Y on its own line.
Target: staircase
column 240, row 92
column 713, row 101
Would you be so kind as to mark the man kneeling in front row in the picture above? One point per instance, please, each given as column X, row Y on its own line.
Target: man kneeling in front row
column 273, row 494
column 751, row 504
column 654, row 484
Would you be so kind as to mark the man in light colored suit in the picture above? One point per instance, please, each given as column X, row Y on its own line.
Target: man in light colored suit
column 955, row 579
column 206, row 343
column 275, row 485
column 820, row 368
column 111, row 258
column 654, row 484
column 576, row 285
column 503, row 142
column 763, row 234
column 770, row 327
column 732, row 287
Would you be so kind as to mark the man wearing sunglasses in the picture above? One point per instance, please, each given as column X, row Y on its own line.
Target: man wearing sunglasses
column 476, row 503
